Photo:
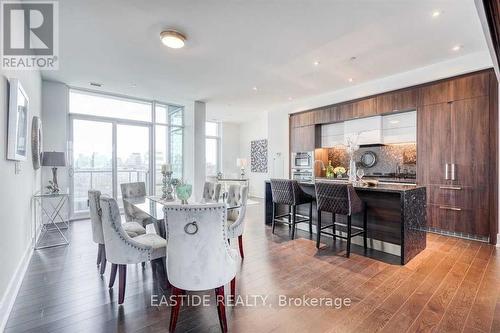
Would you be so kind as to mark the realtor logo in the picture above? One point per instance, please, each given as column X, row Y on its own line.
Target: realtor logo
column 29, row 34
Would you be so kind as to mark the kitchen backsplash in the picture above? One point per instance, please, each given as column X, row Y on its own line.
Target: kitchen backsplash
column 389, row 157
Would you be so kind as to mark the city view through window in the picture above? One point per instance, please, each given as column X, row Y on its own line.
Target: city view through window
column 94, row 163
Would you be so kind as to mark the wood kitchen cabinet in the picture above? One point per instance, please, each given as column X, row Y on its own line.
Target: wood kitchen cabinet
column 304, row 138
column 435, row 93
column 402, row 100
column 364, row 108
column 453, row 155
column 302, row 119
column 457, row 149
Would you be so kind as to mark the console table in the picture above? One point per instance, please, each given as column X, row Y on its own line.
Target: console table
column 51, row 205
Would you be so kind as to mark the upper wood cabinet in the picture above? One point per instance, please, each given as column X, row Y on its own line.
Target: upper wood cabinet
column 325, row 115
column 402, row 100
column 364, row 108
column 470, row 86
column 435, row 93
column 345, row 112
column 304, row 138
column 302, row 119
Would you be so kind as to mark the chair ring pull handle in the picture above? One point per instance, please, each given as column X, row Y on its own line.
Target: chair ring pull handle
column 191, row 228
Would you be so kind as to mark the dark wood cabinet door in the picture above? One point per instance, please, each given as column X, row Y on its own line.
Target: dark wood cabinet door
column 345, row 112
column 402, row 100
column 303, row 138
column 470, row 86
column 405, row 100
column 470, row 163
column 364, row 108
column 433, row 143
column 470, row 142
column 435, row 93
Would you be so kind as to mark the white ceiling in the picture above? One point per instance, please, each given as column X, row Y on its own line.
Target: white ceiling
column 235, row 45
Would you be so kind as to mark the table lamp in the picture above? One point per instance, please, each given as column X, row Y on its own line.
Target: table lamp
column 241, row 163
column 54, row 159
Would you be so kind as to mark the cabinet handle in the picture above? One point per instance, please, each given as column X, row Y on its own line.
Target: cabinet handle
column 456, row 188
column 452, row 171
column 446, row 171
column 450, row 208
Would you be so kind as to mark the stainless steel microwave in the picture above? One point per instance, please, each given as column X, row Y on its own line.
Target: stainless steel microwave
column 303, row 160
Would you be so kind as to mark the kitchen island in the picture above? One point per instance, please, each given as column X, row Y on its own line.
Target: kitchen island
column 396, row 216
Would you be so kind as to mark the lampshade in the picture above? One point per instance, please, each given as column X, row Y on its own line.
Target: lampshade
column 241, row 162
column 53, row 158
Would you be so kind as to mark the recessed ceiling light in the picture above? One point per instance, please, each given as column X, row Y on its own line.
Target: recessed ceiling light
column 290, row 98
column 352, row 58
column 457, row 47
column 436, row 13
column 254, row 88
column 350, row 79
column 173, row 39
column 316, row 63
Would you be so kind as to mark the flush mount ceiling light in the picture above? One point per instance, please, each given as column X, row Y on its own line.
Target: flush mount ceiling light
column 254, row 88
column 172, row 39
column 350, row 79
column 436, row 13
column 457, row 48
column 316, row 63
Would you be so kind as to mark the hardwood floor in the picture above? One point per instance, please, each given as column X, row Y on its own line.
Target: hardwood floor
column 452, row 286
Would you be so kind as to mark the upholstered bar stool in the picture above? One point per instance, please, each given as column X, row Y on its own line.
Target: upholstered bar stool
column 288, row 192
column 338, row 198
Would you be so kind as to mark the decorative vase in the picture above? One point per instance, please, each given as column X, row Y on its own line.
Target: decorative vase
column 352, row 169
column 184, row 192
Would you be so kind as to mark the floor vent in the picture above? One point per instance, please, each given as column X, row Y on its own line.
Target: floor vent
column 458, row 234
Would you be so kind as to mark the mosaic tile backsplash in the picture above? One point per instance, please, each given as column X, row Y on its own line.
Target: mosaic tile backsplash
column 388, row 158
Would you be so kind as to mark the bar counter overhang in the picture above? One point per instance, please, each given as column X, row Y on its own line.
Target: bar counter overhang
column 396, row 215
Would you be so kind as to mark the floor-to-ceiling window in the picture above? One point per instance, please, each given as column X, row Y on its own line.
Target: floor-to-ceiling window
column 212, row 148
column 111, row 141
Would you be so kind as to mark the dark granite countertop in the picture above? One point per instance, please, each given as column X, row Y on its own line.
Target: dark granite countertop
column 381, row 187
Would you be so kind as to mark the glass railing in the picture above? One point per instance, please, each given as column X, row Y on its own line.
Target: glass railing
column 102, row 180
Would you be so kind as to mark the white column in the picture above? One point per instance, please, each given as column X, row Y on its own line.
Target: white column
column 200, row 117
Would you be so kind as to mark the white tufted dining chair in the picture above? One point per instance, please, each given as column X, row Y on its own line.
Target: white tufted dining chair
column 198, row 254
column 121, row 249
column 130, row 191
column 211, row 192
column 237, row 195
column 133, row 229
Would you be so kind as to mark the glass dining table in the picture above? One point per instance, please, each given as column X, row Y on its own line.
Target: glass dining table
column 153, row 207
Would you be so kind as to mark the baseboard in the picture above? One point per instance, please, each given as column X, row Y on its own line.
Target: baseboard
column 15, row 282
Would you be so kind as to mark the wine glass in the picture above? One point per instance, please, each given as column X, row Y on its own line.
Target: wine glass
column 360, row 173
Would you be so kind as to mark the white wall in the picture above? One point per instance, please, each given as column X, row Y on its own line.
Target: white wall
column 230, row 149
column 16, row 191
column 55, row 99
column 256, row 129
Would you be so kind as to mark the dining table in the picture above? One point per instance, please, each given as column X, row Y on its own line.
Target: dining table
column 153, row 208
